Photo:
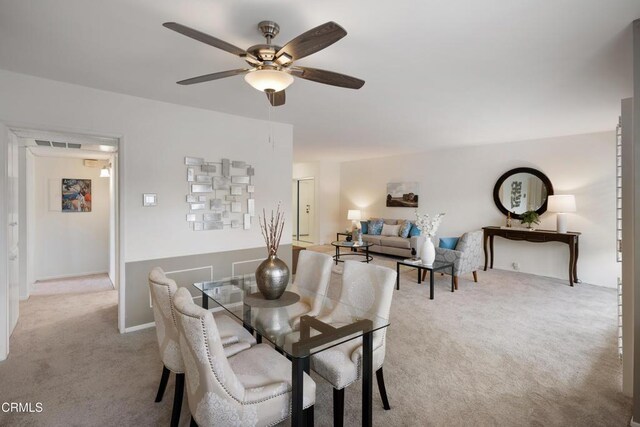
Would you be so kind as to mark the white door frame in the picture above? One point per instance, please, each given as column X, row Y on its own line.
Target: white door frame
column 117, row 251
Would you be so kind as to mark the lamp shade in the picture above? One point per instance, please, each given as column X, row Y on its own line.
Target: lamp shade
column 354, row 215
column 564, row 203
column 269, row 79
column 105, row 172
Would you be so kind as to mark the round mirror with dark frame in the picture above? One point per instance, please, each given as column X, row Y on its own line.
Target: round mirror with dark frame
column 520, row 190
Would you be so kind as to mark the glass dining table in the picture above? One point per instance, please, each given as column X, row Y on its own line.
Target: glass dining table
column 284, row 323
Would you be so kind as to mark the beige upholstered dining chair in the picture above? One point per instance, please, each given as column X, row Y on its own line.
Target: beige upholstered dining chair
column 367, row 290
column 251, row 388
column 313, row 275
column 162, row 290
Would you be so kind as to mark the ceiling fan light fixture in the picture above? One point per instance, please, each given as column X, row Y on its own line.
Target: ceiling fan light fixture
column 264, row 80
column 284, row 59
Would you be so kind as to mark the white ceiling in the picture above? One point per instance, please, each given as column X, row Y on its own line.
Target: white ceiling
column 437, row 73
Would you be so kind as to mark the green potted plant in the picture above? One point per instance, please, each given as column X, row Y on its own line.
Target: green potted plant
column 529, row 218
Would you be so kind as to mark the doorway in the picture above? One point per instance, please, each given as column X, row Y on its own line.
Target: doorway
column 303, row 193
column 62, row 212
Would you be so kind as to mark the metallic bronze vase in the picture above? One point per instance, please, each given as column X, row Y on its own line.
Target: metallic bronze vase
column 272, row 277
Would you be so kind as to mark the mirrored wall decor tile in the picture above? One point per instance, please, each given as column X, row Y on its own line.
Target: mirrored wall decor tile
column 225, row 214
column 240, row 179
column 226, row 167
column 239, row 164
column 221, row 183
column 191, row 217
column 212, row 216
column 236, row 190
column 251, row 207
column 195, row 161
column 251, row 188
column 247, row 221
column 235, row 223
column 216, row 204
column 202, row 198
column 197, row 206
column 251, row 171
column 236, row 207
column 203, row 178
column 208, row 167
column 230, row 198
column 201, row 188
column 191, row 174
column 198, row 226
column 213, row 225
column 192, row 198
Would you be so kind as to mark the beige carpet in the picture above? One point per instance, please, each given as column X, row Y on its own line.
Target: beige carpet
column 512, row 350
column 73, row 285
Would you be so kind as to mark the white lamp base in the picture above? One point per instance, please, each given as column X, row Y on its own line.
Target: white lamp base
column 561, row 221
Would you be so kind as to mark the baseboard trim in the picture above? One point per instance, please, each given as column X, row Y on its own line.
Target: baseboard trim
column 139, row 327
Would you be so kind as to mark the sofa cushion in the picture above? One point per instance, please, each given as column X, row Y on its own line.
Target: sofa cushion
column 391, row 221
column 375, row 226
column 448, row 242
column 395, row 242
column 415, row 231
column 405, row 228
column 371, row 239
column 390, row 230
column 364, row 226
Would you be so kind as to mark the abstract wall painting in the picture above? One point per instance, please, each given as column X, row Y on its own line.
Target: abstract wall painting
column 76, row 195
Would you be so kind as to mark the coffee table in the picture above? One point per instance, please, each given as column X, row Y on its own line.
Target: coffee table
column 436, row 266
column 354, row 246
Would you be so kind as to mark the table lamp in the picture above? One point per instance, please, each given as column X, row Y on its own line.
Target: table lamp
column 562, row 205
column 354, row 215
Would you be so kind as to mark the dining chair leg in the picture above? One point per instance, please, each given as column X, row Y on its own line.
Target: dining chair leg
column 193, row 423
column 382, row 389
column 338, row 407
column 163, row 383
column 308, row 414
column 177, row 400
column 475, row 276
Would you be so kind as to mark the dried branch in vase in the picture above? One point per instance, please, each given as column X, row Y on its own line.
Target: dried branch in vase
column 272, row 231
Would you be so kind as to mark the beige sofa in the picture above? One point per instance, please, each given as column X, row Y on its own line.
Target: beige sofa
column 394, row 245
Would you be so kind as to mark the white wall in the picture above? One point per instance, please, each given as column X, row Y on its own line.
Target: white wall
column 327, row 195
column 69, row 243
column 155, row 138
column 460, row 183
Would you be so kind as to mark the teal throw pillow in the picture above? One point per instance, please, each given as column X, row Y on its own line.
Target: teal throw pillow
column 415, row 231
column 375, row 226
column 448, row 242
column 405, row 228
column 364, row 226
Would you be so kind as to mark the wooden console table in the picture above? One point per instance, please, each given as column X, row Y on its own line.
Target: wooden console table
column 537, row 236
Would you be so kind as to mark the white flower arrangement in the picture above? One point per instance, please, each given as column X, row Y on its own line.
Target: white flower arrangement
column 427, row 225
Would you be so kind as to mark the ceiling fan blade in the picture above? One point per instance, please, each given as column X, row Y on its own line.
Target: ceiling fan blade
column 313, row 40
column 213, row 76
column 276, row 98
column 327, row 77
column 204, row 38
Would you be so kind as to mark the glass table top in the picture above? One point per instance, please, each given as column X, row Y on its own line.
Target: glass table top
column 437, row 265
column 345, row 244
column 280, row 321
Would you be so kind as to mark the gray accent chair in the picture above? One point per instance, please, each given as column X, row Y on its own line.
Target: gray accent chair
column 466, row 257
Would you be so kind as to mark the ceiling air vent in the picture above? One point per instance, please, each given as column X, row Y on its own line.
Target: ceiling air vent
column 73, row 145
column 59, row 144
column 42, row 143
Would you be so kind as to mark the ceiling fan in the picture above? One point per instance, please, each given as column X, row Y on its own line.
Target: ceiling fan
column 271, row 65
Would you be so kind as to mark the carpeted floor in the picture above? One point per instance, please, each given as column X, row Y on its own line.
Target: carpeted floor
column 512, row 350
column 73, row 285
